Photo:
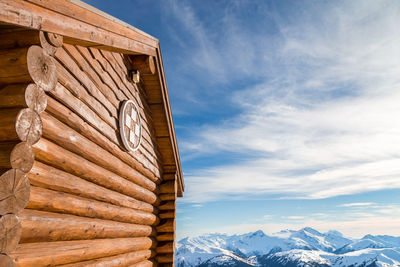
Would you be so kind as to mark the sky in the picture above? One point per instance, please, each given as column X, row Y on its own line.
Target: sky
column 287, row 113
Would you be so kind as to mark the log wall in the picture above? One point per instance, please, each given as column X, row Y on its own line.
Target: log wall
column 70, row 194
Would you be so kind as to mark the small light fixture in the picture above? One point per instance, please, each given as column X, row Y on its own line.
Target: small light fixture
column 135, row 76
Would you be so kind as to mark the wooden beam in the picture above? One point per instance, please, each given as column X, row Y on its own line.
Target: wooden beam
column 52, row 17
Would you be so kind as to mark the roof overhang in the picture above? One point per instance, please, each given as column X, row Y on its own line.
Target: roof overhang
column 85, row 25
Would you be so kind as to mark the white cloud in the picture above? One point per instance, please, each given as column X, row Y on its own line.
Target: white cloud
column 325, row 125
column 359, row 204
column 350, row 224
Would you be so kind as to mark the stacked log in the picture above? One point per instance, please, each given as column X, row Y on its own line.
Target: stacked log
column 70, row 194
column 27, row 70
column 166, row 229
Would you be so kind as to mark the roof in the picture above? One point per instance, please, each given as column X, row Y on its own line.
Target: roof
column 85, row 25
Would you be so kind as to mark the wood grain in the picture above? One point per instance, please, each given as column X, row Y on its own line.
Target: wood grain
column 48, row 177
column 14, row 191
column 22, row 96
column 56, row 156
column 119, row 260
column 53, row 201
column 40, row 226
column 10, row 232
column 63, row 252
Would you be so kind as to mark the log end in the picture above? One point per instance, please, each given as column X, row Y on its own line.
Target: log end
column 54, row 39
column 28, row 126
column 14, row 191
column 10, row 233
column 42, row 68
column 22, row 157
column 6, row 261
column 35, row 98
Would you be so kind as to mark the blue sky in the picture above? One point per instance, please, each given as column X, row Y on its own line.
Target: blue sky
column 286, row 112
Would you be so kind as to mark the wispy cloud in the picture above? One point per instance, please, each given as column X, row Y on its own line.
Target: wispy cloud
column 324, row 124
column 379, row 220
column 360, row 204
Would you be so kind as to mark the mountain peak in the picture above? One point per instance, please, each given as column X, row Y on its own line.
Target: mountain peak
column 334, row 233
column 310, row 230
column 258, row 233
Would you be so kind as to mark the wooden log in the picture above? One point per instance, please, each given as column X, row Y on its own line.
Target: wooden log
column 17, row 156
column 53, row 201
column 22, row 96
column 48, row 41
column 20, row 124
column 145, row 263
column 168, row 187
column 165, row 197
column 10, row 233
column 165, row 258
column 83, row 78
column 24, row 65
column 64, row 252
column 119, row 260
column 145, row 64
column 40, row 226
column 48, row 177
column 76, row 88
column 97, row 79
column 165, row 248
column 168, row 226
column 6, row 261
column 167, row 215
column 165, row 237
column 168, row 205
column 58, row 157
column 63, row 135
column 14, row 191
column 92, row 132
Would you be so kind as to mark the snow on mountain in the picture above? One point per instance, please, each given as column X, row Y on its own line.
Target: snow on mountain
column 305, row 247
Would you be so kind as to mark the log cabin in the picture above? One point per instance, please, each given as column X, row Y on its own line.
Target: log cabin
column 89, row 163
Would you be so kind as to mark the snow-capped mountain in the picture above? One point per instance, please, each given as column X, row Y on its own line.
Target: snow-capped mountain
column 306, row 247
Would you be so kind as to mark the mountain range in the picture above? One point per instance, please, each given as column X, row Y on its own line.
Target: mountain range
column 288, row 248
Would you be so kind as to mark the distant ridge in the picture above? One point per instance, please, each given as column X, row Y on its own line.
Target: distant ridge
column 306, row 247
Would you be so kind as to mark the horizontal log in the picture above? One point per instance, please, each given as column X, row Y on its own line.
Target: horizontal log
column 92, row 132
column 17, row 156
column 168, row 205
column 144, row 64
column 166, row 197
column 64, row 252
column 168, row 187
column 119, row 260
column 168, row 226
column 48, row 177
column 66, row 137
column 6, row 261
column 20, row 124
column 165, row 248
column 14, row 191
column 61, row 158
column 165, row 237
column 24, row 65
column 53, row 201
column 40, row 226
column 145, row 263
column 48, row 41
column 165, row 258
column 22, row 96
column 10, row 233
column 167, row 215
